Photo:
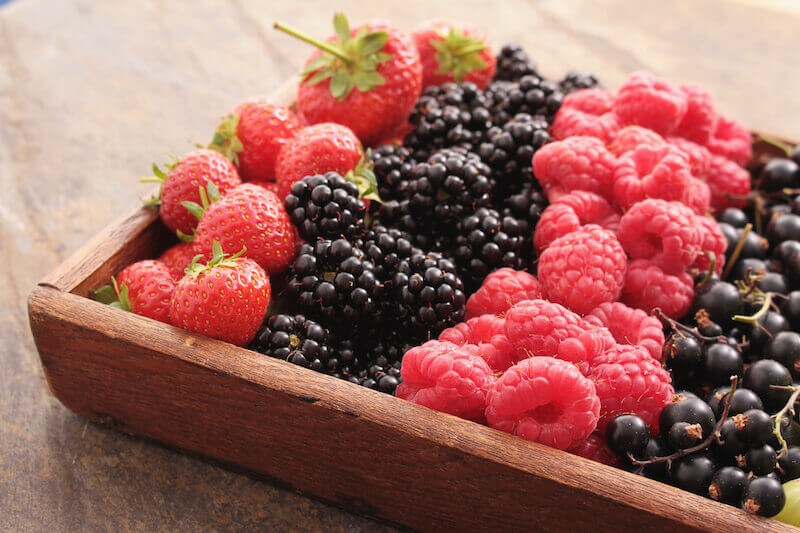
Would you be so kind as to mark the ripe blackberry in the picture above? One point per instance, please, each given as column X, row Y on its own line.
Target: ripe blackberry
column 577, row 81
column 385, row 248
column 397, row 214
column 531, row 95
column 486, row 241
column 453, row 183
column 334, row 281
column 392, row 165
column 325, row 206
column 526, row 207
column 513, row 63
column 299, row 340
column 380, row 378
column 428, row 295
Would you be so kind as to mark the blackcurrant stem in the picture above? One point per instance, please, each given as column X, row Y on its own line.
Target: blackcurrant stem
column 677, row 326
column 711, row 269
column 715, row 435
column 753, row 319
column 789, row 407
column 737, row 251
column 758, row 204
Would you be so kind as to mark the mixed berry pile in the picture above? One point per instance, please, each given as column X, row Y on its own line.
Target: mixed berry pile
column 607, row 273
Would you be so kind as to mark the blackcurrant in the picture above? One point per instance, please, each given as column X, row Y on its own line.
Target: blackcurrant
column 754, row 425
column 734, row 216
column 689, row 410
column 683, row 435
column 693, row 473
column 769, row 325
column 783, row 228
column 789, row 464
column 683, row 351
column 727, row 485
column 760, row 461
column 784, row 347
column 627, row 434
column 761, row 376
column 763, row 496
column 743, row 399
column 721, row 362
column 748, row 265
column 721, row 300
column 773, row 282
column 790, row 307
column 779, row 173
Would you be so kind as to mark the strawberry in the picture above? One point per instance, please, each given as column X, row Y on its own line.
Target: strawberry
column 224, row 299
column 144, row 288
column 452, row 53
column 178, row 258
column 183, row 183
column 271, row 186
column 368, row 78
column 252, row 217
column 252, row 135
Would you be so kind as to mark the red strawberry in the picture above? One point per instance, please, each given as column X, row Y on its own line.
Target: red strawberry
column 225, row 299
column 454, row 53
column 178, row 258
column 144, row 288
column 252, row 217
column 183, row 183
column 252, row 135
column 367, row 79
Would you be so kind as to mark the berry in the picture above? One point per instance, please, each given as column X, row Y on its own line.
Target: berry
column 586, row 112
column 576, row 81
column 734, row 216
column 325, row 207
column 763, row 496
column 448, row 378
column 682, row 352
column 252, row 135
column 714, row 245
column 575, row 163
column 784, row 347
column 769, row 325
column 317, row 149
column 627, row 434
column 760, row 461
column 595, row 448
column 728, row 182
column 650, row 102
column 224, row 299
column 144, row 288
column 177, row 258
column 721, row 362
column 656, row 447
column 785, row 250
column 755, row 427
column 299, row 340
column 727, row 485
column 385, row 248
column 647, row 287
column 783, row 228
column 630, row 326
column 700, row 120
column 666, row 233
column 733, row 443
column 545, row 400
column 789, row 464
column 488, row 333
column 531, row 95
column 569, row 213
column 732, row 141
column 683, row 435
column 527, row 208
column 369, row 84
column 253, row 218
column 451, row 53
column 397, row 214
column 761, row 376
column 699, row 156
column 693, row 473
column 502, row 289
column 392, row 164
column 689, row 410
column 183, row 183
column 779, row 174
column 629, row 138
column 628, row 380
column 513, row 63
column 720, row 299
column 743, row 400
column 583, row 269
column 790, row 308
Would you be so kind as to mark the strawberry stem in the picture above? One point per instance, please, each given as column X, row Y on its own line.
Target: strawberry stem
column 327, row 47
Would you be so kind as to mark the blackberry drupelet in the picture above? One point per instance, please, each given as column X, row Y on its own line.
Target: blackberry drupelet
column 333, row 280
column 380, row 378
column 325, row 206
column 397, row 214
column 577, row 81
column 485, row 242
column 428, row 295
column 299, row 340
column 526, row 207
column 513, row 63
column 385, row 248
column 392, row 165
column 531, row 95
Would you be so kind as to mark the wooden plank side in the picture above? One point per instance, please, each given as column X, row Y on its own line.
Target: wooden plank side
column 365, row 451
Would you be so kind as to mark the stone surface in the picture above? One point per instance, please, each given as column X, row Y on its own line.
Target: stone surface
column 92, row 92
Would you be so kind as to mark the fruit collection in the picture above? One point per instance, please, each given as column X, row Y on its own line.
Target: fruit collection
column 607, row 273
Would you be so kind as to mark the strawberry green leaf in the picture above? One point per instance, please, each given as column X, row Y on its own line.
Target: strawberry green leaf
column 194, row 208
column 316, row 64
column 457, row 54
column 341, row 26
column 373, row 42
column 339, row 84
column 104, row 295
column 320, row 76
column 225, row 140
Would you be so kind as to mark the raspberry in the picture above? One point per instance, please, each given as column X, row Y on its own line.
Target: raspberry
column 729, row 183
column 628, row 380
column 732, row 141
column 655, row 172
column 540, row 328
column 500, row 290
column 629, row 326
column 666, row 233
column 714, row 242
column 651, row 102
column 488, row 333
column 583, row 269
column 576, row 163
column 699, row 197
column 448, row 378
column 630, row 137
column 700, row 119
column 573, row 122
column 699, row 156
column 569, row 213
column 647, row 287
column 592, row 101
column 544, row 400
column 595, row 448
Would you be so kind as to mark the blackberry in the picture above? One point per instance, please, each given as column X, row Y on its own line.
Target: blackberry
column 380, row 378
column 576, row 81
column 526, row 207
column 513, row 63
column 397, row 214
column 428, row 295
column 334, row 281
column 392, row 165
column 486, row 241
column 531, row 95
column 347, row 354
column 325, row 206
column 384, row 346
column 299, row 340
column 385, row 248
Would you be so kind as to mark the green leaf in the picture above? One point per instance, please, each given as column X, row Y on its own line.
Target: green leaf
column 194, row 208
column 184, row 237
column 104, row 295
column 342, row 27
column 213, row 192
column 373, row 42
column 339, row 84
column 316, row 64
column 320, row 76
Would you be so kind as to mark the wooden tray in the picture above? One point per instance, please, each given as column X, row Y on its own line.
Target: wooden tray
column 367, row 452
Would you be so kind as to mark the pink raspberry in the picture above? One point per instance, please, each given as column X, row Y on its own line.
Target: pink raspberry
column 699, row 197
column 655, row 172
column 729, row 183
column 540, row 328
column 651, row 102
column 714, row 242
column 500, row 290
column 544, row 400
column 647, row 287
column 666, row 233
column 572, row 122
column 569, row 213
column 592, row 101
column 488, row 333
column 630, row 326
column 576, row 163
column 446, row 377
column 583, row 269
column 629, row 138
column 698, row 155
column 595, row 448
column 732, row 141
column 700, row 120
column 628, row 380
